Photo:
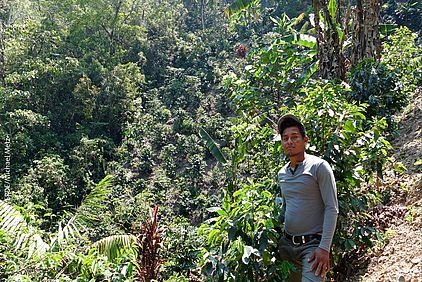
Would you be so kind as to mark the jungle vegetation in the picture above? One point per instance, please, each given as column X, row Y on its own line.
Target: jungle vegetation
column 138, row 142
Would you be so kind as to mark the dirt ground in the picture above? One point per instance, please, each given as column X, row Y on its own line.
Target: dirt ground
column 400, row 259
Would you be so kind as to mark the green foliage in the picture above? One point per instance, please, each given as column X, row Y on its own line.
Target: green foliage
column 177, row 278
column 374, row 84
column 89, row 161
column 386, row 86
column 212, row 146
column 239, row 6
column 244, row 16
column 403, row 13
column 181, row 246
column 252, row 18
column 275, row 71
column 93, row 266
column 401, row 54
column 115, row 102
column 182, row 91
column 25, row 236
column 91, row 88
column 63, row 258
column 85, row 94
column 27, row 131
column 337, row 131
column 47, row 183
column 242, row 239
column 48, row 81
column 17, row 222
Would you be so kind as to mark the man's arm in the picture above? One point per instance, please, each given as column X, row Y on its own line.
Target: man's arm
column 327, row 186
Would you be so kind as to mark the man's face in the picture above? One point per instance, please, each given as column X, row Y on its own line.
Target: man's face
column 293, row 142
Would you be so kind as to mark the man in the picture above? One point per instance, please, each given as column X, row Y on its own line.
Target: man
column 309, row 203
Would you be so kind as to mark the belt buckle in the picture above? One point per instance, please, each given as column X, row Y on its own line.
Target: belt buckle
column 294, row 241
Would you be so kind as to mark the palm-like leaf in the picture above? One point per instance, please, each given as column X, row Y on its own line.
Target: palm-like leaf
column 26, row 236
column 237, row 6
column 87, row 213
column 113, row 246
column 212, row 146
column 92, row 206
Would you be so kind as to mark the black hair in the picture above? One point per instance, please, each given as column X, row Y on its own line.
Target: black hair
column 289, row 122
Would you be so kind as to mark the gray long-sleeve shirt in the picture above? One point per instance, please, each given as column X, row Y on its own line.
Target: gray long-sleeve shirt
column 310, row 199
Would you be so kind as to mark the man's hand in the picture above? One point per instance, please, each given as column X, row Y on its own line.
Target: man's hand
column 321, row 260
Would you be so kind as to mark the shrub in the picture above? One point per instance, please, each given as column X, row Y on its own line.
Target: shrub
column 402, row 55
column 181, row 246
column 374, row 84
column 242, row 240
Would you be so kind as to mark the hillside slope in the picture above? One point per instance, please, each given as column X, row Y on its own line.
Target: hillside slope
column 400, row 259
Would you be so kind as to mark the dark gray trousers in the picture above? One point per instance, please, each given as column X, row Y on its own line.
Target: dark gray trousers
column 299, row 256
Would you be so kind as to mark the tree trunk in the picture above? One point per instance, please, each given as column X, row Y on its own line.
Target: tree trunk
column 329, row 51
column 366, row 38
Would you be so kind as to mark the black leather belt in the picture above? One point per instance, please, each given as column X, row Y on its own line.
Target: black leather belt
column 303, row 239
